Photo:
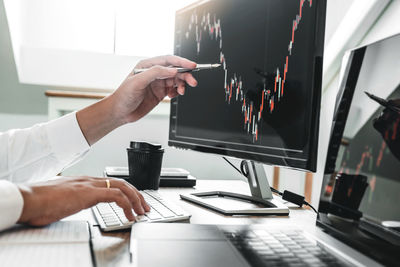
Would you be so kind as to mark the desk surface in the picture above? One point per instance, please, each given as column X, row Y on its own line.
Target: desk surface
column 112, row 249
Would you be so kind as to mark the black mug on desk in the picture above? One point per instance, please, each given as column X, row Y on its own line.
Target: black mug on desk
column 144, row 162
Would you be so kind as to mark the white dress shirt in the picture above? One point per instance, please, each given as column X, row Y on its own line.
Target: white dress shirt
column 33, row 154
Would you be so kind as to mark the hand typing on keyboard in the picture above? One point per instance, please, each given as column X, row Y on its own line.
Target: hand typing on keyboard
column 111, row 217
column 51, row 201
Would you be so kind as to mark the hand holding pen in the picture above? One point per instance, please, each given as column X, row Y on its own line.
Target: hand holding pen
column 183, row 70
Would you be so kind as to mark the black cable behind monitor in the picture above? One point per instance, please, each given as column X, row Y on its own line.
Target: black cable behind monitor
column 286, row 195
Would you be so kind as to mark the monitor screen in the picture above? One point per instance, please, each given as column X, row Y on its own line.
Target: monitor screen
column 360, row 192
column 263, row 102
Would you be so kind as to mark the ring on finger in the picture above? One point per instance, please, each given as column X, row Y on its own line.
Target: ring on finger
column 108, row 183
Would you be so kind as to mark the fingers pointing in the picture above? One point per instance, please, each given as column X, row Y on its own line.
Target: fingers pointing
column 156, row 73
column 167, row 61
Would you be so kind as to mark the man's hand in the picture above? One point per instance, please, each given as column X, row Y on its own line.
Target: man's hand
column 51, row 201
column 140, row 93
column 137, row 95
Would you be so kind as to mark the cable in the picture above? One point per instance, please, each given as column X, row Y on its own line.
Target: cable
column 241, row 172
column 308, row 204
column 276, row 191
column 286, row 195
column 230, row 163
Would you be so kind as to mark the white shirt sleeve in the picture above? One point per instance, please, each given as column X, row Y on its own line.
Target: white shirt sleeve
column 11, row 204
column 42, row 151
column 33, row 154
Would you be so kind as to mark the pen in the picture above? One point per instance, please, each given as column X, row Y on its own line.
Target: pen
column 383, row 102
column 181, row 70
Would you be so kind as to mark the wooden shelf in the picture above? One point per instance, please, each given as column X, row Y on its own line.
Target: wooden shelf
column 75, row 94
column 62, row 102
column 88, row 95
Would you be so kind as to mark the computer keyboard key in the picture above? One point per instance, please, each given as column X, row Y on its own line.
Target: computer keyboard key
column 293, row 247
column 276, row 246
column 165, row 212
column 261, row 233
column 110, row 219
column 256, row 243
column 112, row 223
column 300, row 251
column 306, row 256
column 286, row 255
column 311, row 261
column 281, row 250
column 289, row 259
column 124, row 220
column 270, row 257
column 315, row 248
column 141, row 218
column 297, row 264
column 153, row 215
column 265, row 252
column 288, row 243
column 175, row 209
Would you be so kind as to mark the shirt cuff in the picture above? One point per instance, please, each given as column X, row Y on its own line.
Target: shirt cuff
column 66, row 138
column 11, row 204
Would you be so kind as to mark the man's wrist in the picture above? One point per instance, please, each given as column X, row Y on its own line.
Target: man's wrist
column 99, row 119
column 116, row 109
column 28, row 209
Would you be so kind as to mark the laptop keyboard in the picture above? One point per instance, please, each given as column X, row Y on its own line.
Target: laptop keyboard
column 111, row 217
column 280, row 248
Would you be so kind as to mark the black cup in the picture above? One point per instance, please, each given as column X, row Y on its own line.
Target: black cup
column 349, row 190
column 144, row 162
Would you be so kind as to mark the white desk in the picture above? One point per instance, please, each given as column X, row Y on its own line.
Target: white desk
column 112, row 249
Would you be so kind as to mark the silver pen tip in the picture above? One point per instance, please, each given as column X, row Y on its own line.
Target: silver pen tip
column 215, row 65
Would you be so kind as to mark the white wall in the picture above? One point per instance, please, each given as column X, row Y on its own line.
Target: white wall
column 73, row 68
column 18, row 121
column 76, row 42
column 146, row 28
column 388, row 24
column 69, row 25
column 15, row 98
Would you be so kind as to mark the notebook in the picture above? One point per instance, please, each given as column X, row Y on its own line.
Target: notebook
column 64, row 243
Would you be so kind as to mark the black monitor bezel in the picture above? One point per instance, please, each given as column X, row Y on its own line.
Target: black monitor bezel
column 351, row 71
column 308, row 158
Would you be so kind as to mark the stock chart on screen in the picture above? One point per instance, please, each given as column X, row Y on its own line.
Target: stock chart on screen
column 265, row 94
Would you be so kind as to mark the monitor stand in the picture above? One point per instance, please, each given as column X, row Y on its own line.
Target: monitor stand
column 261, row 201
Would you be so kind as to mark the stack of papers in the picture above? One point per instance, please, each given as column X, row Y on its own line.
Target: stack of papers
column 65, row 243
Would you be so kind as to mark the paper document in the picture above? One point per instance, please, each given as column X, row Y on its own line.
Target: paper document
column 61, row 244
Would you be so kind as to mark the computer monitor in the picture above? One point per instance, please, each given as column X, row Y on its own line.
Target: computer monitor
column 360, row 196
column 263, row 103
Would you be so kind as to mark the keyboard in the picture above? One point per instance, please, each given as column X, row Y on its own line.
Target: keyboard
column 280, row 248
column 111, row 217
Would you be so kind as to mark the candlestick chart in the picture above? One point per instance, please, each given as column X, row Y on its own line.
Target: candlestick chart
column 264, row 98
column 373, row 151
column 208, row 25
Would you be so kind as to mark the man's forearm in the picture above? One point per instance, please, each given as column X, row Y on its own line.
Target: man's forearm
column 99, row 119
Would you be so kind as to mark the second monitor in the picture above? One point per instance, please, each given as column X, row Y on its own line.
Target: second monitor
column 263, row 103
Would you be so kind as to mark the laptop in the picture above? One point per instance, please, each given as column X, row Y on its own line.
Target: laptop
column 359, row 213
